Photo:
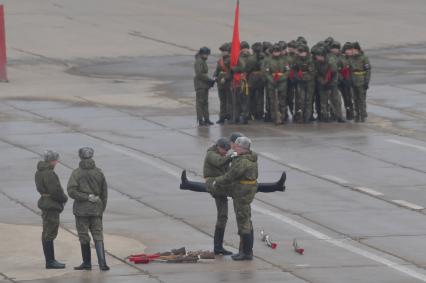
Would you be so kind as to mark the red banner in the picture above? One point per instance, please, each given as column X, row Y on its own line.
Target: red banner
column 235, row 47
column 3, row 76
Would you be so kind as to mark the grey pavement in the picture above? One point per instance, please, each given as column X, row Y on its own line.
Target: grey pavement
column 117, row 76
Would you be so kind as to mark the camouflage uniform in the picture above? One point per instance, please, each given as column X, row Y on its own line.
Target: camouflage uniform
column 202, row 83
column 335, row 98
column 267, row 47
column 216, row 165
column 256, row 82
column 52, row 200
column 291, row 82
column 241, row 86
column 224, row 79
column 345, row 82
column 304, row 73
column 326, row 72
column 276, row 70
column 88, row 187
column 361, row 73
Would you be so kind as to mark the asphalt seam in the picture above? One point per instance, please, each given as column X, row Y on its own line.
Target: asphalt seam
column 272, row 159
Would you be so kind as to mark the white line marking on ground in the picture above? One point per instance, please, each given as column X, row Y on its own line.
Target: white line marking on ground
column 155, row 162
column 292, row 165
column 337, row 242
column 419, row 147
column 340, row 243
column 335, row 179
column 408, row 204
column 369, row 191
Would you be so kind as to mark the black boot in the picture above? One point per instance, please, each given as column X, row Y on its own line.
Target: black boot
column 192, row 186
column 87, row 258
column 207, row 122
column 221, row 120
column 49, row 254
column 201, row 123
column 247, row 248
column 273, row 187
column 218, row 242
column 100, row 251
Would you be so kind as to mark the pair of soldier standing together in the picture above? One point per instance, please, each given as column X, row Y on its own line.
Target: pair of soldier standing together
column 88, row 187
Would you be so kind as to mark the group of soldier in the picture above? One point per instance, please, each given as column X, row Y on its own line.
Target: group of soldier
column 88, row 187
column 275, row 81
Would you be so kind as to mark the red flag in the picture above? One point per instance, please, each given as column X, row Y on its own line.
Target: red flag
column 235, row 47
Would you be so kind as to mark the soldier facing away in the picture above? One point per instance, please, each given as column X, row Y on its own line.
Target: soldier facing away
column 88, row 187
column 51, row 203
column 223, row 78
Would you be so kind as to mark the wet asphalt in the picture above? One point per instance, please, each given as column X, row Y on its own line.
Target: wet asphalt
column 355, row 193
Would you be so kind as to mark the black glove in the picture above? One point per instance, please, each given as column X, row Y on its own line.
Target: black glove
column 211, row 83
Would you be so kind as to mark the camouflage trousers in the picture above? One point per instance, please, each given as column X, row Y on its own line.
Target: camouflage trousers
column 278, row 91
column 202, row 104
column 225, row 101
column 324, row 95
column 360, row 104
column 50, row 224
column 345, row 89
column 84, row 224
column 304, row 100
column 257, row 101
column 242, row 198
column 336, row 102
column 222, row 211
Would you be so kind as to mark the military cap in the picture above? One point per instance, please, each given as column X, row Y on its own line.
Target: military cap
column 225, row 47
column 329, row 40
column 276, row 47
column 223, row 143
column 301, row 39
column 292, row 44
column 256, row 47
column 321, row 51
column 347, row 45
column 335, row 44
column 282, row 44
column 266, row 45
column 356, row 45
column 244, row 44
column 86, row 152
column 204, row 51
column 50, row 155
column 243, row 142
column 235, row 135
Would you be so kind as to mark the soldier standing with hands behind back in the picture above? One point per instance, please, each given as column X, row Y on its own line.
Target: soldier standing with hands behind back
column 51, row 203
column 88, row 187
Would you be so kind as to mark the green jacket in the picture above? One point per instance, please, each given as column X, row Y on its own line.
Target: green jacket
column 276, row 66
column 201, row 79
column 215, row 164
column 86, row 180
column 223, row 71
column 323, row 69
column 49, row 187
column 256, row 77
column 306, row 66
column 243, row 65
column 360, row 64
column 243, row 168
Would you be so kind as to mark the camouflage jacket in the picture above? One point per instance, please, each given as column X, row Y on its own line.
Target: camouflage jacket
column 215, row 164
column 49, row 187
column 326, row 72
column 304, row 68
column 201, row 79
column 276, row 69
column 223, row 71
column 360, row 69
column 86, row 180
column 243, row 168
column 256, row 77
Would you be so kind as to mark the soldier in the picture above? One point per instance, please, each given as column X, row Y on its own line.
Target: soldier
column 242, row 178
column 256, row 82
column 241, row 87
column 202, row 84
column 216, row 163
column 267, row 49
column 51, row 203
column 291, row 82
column 345, row 79
column 304, row 72
column 335, row 98
column 361, row 73
column 223, row 78
column 276, row 70
column 88, row 187
column 326, row 71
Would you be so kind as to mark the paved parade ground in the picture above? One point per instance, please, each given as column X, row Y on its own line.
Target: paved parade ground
column 118, row 76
